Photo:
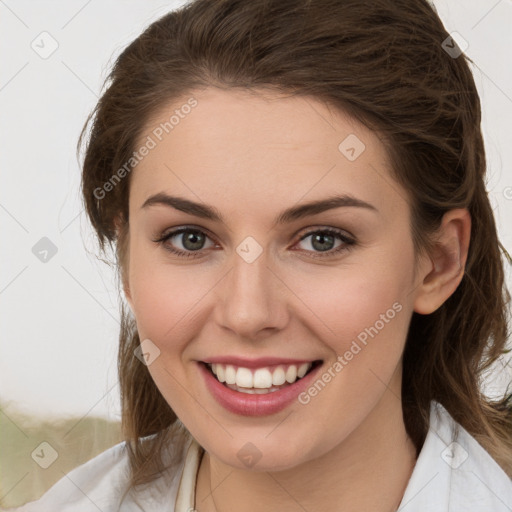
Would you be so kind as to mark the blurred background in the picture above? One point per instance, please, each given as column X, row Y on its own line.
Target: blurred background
column 59, row 398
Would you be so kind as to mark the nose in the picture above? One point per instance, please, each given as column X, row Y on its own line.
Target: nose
column 252, row 300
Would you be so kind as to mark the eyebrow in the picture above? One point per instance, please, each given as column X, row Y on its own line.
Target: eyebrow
column 205, row 211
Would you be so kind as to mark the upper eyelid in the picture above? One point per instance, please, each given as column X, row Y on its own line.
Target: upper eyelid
column 168, row 233
column 339, row 231
column 301, row 234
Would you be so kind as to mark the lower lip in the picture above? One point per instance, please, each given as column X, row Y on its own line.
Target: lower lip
column 247, row 404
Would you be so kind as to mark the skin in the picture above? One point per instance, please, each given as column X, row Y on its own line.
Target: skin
column 252, row 156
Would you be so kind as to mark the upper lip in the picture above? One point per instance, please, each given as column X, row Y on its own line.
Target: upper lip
column 255, row 363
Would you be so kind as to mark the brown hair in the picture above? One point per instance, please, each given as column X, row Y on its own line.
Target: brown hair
column 382, row 62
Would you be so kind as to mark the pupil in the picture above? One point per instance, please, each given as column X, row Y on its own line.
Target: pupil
column 193, row 237
column 322, row 238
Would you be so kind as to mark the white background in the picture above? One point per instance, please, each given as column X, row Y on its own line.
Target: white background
column 59, row 320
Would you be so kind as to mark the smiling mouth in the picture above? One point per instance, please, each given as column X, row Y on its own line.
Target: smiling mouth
column 261, row 380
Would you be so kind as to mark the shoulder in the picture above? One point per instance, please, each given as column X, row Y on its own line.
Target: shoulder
column 454, row 472
column 97, row 482
column 477, row 480
column 102, row 484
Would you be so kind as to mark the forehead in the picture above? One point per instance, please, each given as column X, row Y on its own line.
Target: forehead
column 259, row 149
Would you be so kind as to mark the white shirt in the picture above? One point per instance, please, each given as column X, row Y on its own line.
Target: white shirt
column 453, row 473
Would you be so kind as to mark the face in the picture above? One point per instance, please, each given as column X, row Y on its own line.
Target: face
column 332, row 285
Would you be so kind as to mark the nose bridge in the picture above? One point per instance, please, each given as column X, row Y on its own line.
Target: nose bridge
column 252, row 297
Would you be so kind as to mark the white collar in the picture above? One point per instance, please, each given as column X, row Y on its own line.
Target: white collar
column 454, row 472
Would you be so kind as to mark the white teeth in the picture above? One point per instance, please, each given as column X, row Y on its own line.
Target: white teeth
column 278, row 377
column 303, row 369
column 220, row 373
column 230, row 374
column 244, row 378
column 291, row 374
column 262, row 380
column 254, row 391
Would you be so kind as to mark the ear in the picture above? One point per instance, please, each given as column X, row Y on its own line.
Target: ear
column 446, row 269
column 118, row 224
column 127, row 292
column 122, row 237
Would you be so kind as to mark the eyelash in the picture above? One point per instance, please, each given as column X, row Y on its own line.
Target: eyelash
column 347, row 245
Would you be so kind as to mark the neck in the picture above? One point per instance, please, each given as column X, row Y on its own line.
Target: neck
column 369, row 470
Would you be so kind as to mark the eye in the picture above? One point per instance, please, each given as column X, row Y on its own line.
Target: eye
column 324, row 240
column 191, row 239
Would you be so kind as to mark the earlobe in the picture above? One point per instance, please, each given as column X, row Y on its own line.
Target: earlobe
column 128, row 295
column 118, row 224
column 122, row 236
column 448, row 262
column 126, row 288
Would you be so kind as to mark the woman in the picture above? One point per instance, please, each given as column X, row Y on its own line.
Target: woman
column 295, row 192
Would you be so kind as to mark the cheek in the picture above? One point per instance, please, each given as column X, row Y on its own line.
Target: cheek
column 355, row 300
column 165, row 297
column 361, row 317
column 349, row 298
column 361, row 312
